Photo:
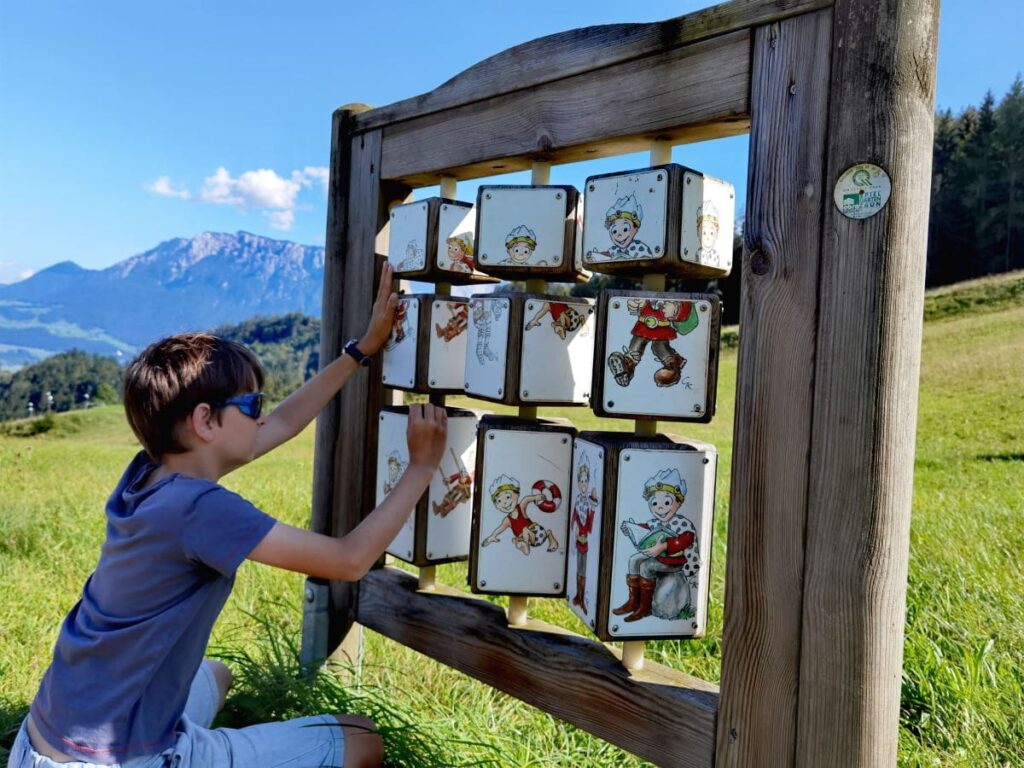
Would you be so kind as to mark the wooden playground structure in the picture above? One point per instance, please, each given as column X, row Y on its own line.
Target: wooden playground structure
column 831, row 315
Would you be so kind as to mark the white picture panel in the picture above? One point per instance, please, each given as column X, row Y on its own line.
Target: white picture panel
column 558, row 351
column 407, row 237
column 455, row 234
column 450, row 498
column 399, row 362
column 446, row 363
column 654, row 328
column 665, row 500
column 524, row 516
column 627, row 217
column 522, row 227
column 487, row 345
column 584, row 547
column 392, row 460
column 709, row 215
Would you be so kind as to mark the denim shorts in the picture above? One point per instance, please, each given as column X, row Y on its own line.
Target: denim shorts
column 307, row 742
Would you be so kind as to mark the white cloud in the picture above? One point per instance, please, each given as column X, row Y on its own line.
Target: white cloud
column 165, row 187
column 282, row 220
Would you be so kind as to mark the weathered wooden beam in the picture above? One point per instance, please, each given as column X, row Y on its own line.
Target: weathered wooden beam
column 865, row 395
column 583, row 682
column 772, row 432
column 583, row 50
column 699, row 91
column 343, row 480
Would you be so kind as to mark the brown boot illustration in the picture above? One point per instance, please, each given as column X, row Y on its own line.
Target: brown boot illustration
column 633, row 582
column 622, row 366
column 671, row 372
column 582, row 589
column 578, row 599
column 643, row 607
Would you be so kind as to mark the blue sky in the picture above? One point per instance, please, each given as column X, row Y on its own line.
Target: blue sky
column 123, row 124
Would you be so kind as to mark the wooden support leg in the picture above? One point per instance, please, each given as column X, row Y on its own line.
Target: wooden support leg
column 633, row 654
column 517, row 610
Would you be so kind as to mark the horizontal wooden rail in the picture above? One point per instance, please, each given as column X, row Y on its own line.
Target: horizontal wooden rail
column 583, row 681
column 578, row 51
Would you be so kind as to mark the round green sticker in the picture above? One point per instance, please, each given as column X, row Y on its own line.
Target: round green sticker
column 862, row 191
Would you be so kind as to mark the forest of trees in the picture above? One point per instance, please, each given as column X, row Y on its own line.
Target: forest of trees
column 74, row 379
column 975, row 227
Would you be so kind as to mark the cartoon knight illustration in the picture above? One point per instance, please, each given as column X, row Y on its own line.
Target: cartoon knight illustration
column 482, row 322
column 520, row 244
column 399, row 325
column 666, row 547
column 460, row 252
column 459, row 485
column 459, row 317
column 413, row 258
column 525, row 532
column 658, row 322
column 564, row 319
column 584, row 507
column 707, row 233
column 623, row 221
column 396, row 466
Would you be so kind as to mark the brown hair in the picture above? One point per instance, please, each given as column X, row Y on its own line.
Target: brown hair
column 172, row 376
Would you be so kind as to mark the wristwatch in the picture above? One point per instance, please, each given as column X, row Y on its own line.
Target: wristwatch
column 352, row 350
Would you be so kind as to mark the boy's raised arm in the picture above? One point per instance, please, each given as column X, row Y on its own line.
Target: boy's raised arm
column 303, row 405
column 350, row 557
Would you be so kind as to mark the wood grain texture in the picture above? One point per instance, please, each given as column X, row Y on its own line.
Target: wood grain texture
column 583, row 50
column 772, row 433
column 698, row 89
column 343, row 481
column 583, row 683
column 865, row 399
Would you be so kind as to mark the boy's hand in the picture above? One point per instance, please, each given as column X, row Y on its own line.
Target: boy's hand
column 382, row 315
column 427, row 435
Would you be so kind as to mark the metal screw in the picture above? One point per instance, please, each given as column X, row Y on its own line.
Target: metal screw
column 590, row 311
column 591, row 187
column 430, row 554
column 611, row 403
column 392, row 214
column 703, row 307
column 443, row 208
column 615, row 305
column 732, row 195
column 698, row 409
column 490, row 435
column 437, row 305
column 309, row 594
column 689, row 179
column 384, row 377
column 792, row 89
column 626, row 457
column 483, row 583
column 465, row 385
column 657, row 249
column 487, row 196
column 433, row 382
column 694, row 625
column 615, row 627
column 530, row 305
column 592, row 624
column 483, row 257
column 586, row 395
column 526, row 393
column 557, row 586
column 686, row 251
column 706, row 460
column 423, row 207
column 600, row 454
column 660, row 177
column 565, row 440
column 408, row 554
column 499, row 390
column 382, row 417
column 558, row 196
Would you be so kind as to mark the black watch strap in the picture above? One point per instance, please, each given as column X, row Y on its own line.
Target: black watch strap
column 352, row 350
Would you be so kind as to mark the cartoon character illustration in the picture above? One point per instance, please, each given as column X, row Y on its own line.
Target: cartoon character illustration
column 525, row 532
column 456, row 323
column 399, row 326
column 667, row 550
column 520, row 244
column 396, row 466
column 564, row 319
column 623, row 221
column 658, row 321
column 459, row 485
column 413, row 258
column 482, row 322
column 584, row 507
column 707, row 233
column 460, row 253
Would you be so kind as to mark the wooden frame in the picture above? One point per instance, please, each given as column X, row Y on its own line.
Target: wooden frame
column 829, row 358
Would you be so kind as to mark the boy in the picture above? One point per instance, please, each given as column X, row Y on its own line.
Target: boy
column 127, row 685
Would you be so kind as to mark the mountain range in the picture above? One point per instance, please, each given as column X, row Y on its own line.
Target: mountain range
column 182, row 284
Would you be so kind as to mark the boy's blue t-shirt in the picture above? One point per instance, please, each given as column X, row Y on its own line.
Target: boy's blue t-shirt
column 127, row 652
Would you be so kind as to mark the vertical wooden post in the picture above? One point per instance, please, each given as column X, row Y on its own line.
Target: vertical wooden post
column 346, row 431
column 772, row 432
column 871, row 295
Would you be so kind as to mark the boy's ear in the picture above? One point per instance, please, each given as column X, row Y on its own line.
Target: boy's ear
column 201, row 422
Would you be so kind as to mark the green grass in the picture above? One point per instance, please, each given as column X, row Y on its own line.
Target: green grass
column 964, row 654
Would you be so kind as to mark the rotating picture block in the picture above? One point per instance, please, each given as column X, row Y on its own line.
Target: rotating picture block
column 432, row 240
column 527, row 231
column 439, row 528
column 530, row 349
column 426, row 351
column 657, row 355
column 520, row 506
column 667, row 219
column 640, row 535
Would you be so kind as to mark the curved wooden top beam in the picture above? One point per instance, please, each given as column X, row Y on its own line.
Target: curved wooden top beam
column 582, row 50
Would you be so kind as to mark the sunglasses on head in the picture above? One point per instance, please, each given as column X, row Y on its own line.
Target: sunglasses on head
column 251, row 405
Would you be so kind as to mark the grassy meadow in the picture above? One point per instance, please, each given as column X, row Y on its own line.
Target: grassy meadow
column 963, row 690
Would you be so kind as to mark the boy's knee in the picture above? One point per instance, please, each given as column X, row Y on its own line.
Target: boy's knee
column 364, row 747
column 222, row 675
